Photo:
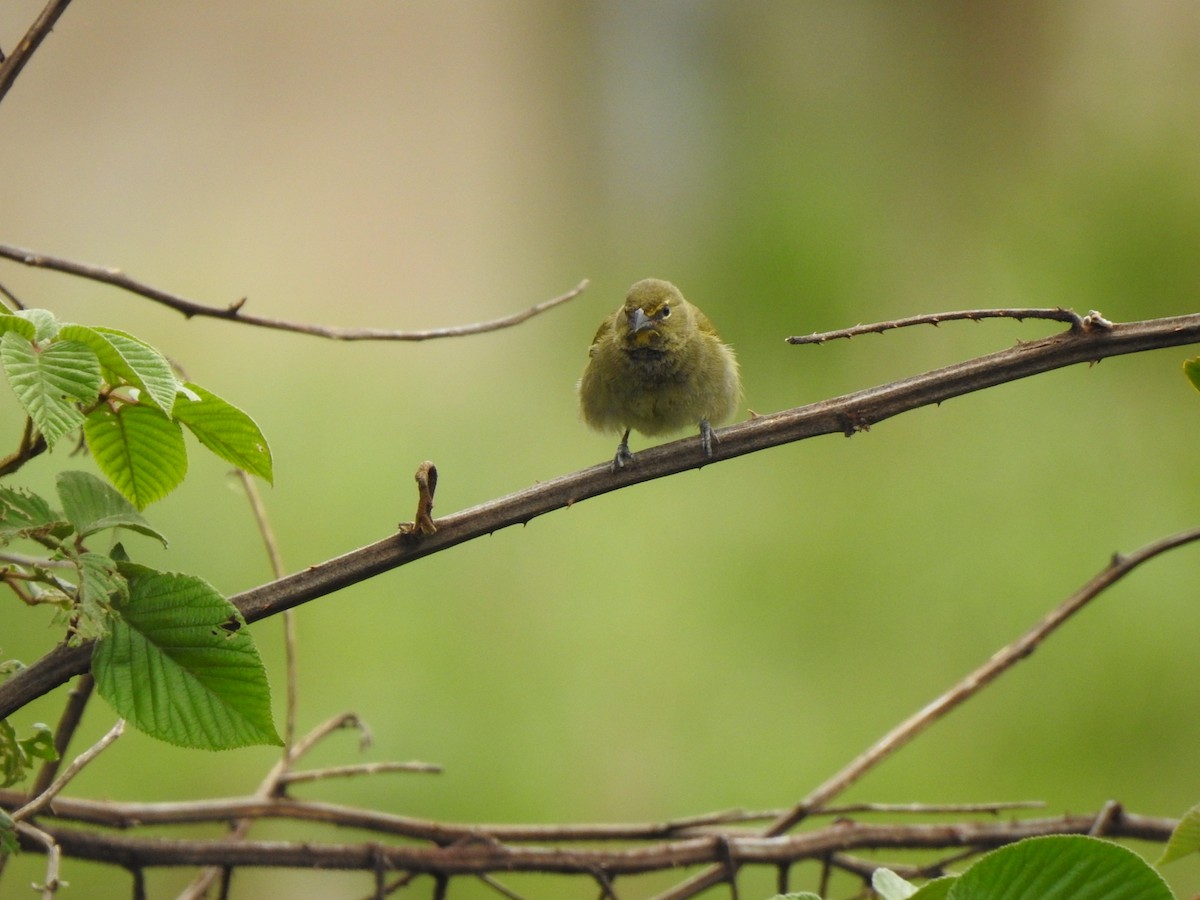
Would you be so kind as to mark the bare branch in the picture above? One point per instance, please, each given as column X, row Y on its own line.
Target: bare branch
column 235, row 312
column 42, row 26
column 847, row 415
column 1058, row 314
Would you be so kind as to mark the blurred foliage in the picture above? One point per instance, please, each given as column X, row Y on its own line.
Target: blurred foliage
column 727, row 637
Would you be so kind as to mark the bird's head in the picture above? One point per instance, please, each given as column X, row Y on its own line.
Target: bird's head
column 654, row 312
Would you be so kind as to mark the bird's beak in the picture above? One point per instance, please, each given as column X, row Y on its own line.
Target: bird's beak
column 638, row 321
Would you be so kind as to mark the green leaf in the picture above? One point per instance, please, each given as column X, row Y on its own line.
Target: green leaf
column 890, row 886
column 41, row 744
column 90, row 505
column 938, row 889
column 1061, row 867
column 20, row 325
column 130, row 361
column 1191, row 369
column 224, row 429
column 25, row 514
column 1185, row 839
column 13, row 761
column 16, row 755
column 180, row 665
column 45, row 326
column 100, row 587
column 139, row 449
column 49, row 381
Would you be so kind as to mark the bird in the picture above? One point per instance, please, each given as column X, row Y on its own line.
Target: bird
column 658, row 365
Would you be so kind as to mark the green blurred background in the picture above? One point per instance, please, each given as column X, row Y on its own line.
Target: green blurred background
column 723, row 638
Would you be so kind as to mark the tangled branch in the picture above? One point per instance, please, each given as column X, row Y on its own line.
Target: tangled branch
column 480, row 851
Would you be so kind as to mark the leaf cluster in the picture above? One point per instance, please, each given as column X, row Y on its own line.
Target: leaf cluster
column 126, row 399
column 172, row 656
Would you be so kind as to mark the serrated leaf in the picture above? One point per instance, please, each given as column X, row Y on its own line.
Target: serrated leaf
column 1061, row 867
column 20, row 325
column 224, row 429
column 90, row 505
column 16, row 755
column 12, row 760
column 1185, row 839
column 45, row 326
column 100, row 587
column 938, row 889
column 180, row 665
column 24, row 513
column 49, row 381
column 129, row 360
column 1191, row 369
column 139, row 449
column 41, row 744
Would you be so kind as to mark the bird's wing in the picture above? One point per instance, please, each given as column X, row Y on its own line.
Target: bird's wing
column 703, row 324
column 603, row 331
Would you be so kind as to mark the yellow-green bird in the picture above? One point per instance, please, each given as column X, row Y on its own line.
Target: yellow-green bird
column 658, row 365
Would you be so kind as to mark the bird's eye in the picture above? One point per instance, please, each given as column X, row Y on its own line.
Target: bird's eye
column 666, row 312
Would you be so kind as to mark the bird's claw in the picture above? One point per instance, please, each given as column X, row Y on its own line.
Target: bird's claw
column 623, row 456
column 708, row 439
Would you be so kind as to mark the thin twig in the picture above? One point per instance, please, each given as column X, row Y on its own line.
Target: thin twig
column 11, row 67
column 1058, row 314
column 905, row 731
column 339, row 722
column 235, row 312
column 848, row 414
column 38, row 803
column 14, row 303
column 377, row 768
column 291, row 664
column 53, row 857
column 926, row 808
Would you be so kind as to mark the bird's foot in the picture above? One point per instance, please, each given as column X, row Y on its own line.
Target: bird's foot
column 623, row 456
column 708, row 439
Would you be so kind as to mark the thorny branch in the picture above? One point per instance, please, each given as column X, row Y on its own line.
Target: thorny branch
column 1058, row 314
column 847, row 414
column 235, row 312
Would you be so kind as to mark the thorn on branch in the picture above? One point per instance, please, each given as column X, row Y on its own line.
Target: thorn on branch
column 853, row 421
column 422, row 524
column 1106, row 819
